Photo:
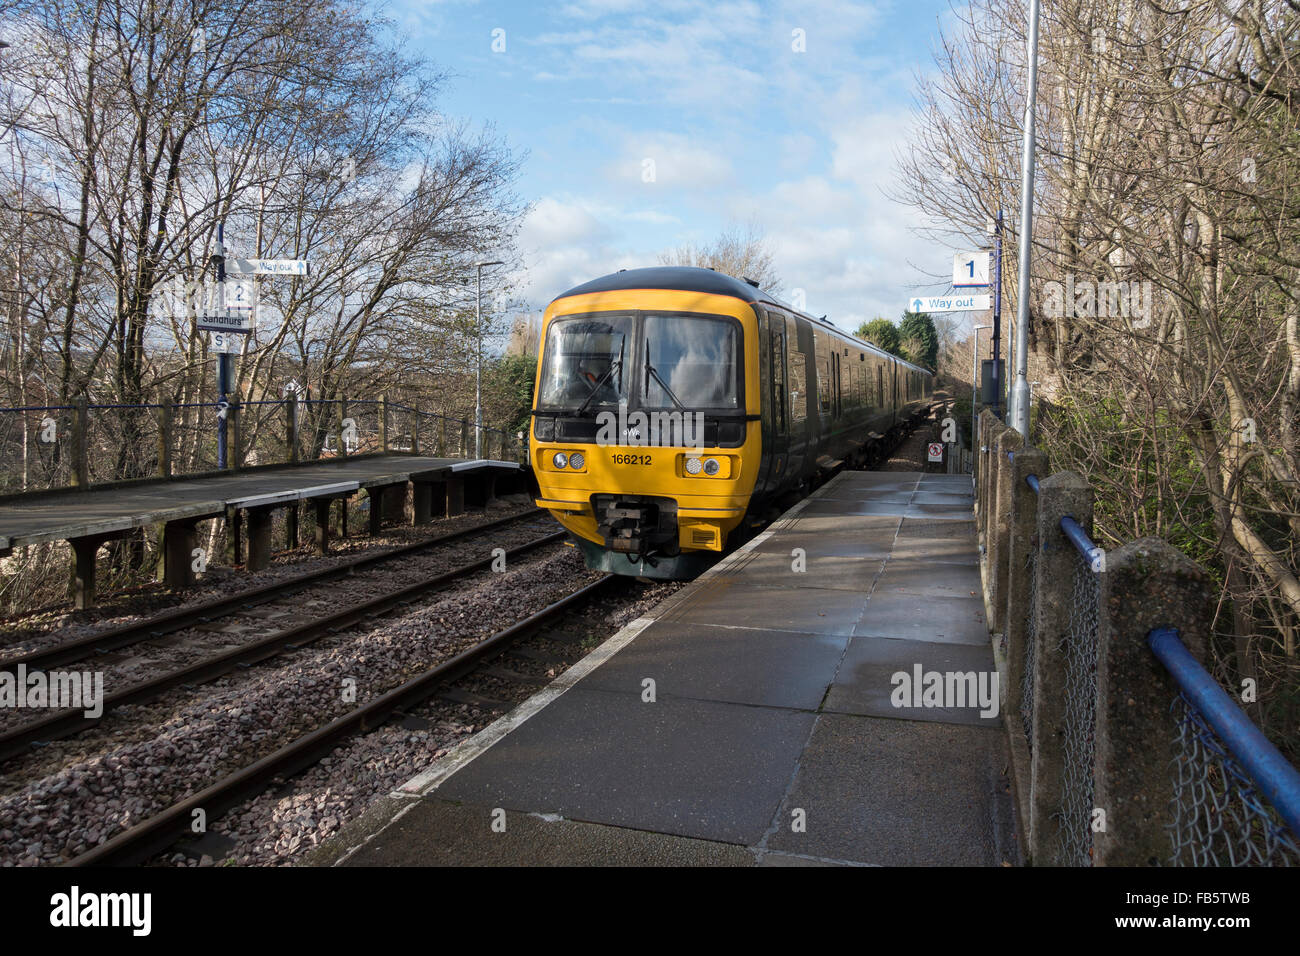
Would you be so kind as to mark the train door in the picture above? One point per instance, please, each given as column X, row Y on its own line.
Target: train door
column 779, row 396
column 775, row 398
column 801, row 377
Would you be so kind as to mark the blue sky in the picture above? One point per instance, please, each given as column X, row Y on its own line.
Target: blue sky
column 739, row 125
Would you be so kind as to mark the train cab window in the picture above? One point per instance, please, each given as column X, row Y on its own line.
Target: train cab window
column 824, row 383
column 585, row 361
column 689, row 362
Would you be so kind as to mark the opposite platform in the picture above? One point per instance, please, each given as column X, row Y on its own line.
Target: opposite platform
column 67, row 514
column 757, row 717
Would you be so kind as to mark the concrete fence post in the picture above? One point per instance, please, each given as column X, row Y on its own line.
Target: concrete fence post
column 464, row 438
column 164, row 440
column 383, row 422
column 441, row 450
column 80, row 475
column 1022, row 542
column 1062, row 494
column 342, row 432
column 236, row 455
column 999, row 534
column 415, row 431
column 1147, row 584
column 990, row 429
column 291, row 428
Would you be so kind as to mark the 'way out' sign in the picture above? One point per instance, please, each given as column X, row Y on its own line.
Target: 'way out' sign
column 268, row 267
column 950, row 303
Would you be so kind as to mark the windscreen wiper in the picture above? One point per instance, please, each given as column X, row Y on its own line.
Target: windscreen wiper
column 614, row 366
column 650, row 370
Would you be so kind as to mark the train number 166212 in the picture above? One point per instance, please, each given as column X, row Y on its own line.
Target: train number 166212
column 631, row 459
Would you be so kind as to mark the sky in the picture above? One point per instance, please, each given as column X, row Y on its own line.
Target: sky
column 646, row 126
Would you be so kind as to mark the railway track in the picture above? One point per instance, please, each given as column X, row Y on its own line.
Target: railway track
column 160, row 625
column 63, row 723
column 156, row 833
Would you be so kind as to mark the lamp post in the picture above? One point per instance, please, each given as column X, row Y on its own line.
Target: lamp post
column 478, row 372
column 1019, row 418
column 974, row 378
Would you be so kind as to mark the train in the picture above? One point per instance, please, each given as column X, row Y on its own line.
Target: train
column 677, row 409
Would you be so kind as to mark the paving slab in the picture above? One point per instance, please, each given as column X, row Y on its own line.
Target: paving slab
column 901, row 793
column 841, row 572
column 929, row 580
column 921, row 617
column 941, row 528
column 436, row 832
column 924, row 497
column 692, row 768
column 848, row 507
column 960, row 550
column 733, row 602
column 882, row 527
column 880, row 678
column 838, row 543
column 766, row 668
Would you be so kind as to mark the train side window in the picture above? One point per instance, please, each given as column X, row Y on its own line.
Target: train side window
column 797, row 372
column 824, row 383
column 777, row 337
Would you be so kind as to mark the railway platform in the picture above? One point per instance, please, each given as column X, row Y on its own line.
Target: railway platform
column 87, row 518
column 792, row 706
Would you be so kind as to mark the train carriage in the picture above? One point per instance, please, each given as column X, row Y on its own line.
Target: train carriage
column 676, row 407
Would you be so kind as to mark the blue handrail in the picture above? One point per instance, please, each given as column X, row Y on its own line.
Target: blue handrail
column 1032, row 482
column 1277, row 780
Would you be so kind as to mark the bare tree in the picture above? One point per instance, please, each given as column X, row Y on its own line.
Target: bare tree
column 740, row 251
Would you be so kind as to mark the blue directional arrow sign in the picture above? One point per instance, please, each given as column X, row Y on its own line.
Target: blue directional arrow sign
column 952, row 303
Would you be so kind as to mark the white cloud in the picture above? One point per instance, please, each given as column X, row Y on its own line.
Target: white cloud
column 676, row 161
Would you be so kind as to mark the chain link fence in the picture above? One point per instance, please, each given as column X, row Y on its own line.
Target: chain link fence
column 1219, row 816
column 35, row 448
column 1031, row 632
column 1079, row 646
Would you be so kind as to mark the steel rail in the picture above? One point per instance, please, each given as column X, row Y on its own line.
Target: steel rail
column 71, row 720
column 160, row 831
column 183, row 617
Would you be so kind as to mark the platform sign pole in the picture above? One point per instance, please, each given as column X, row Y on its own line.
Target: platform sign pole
column 225, row 361
column 997, row 312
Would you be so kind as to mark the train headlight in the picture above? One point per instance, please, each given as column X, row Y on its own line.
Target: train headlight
column 694, row 466
column 561, row 460
column 576, row 460
column 711, row 467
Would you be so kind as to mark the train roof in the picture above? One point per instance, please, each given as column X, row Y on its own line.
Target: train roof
column 710, row 282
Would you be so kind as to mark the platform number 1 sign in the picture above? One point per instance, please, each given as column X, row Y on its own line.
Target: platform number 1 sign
column 970, row 270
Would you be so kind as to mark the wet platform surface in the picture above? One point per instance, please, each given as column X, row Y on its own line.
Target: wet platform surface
column 62, row 515
column 774, row 736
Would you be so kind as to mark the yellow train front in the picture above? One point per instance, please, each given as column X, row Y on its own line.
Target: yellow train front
column 676, row 407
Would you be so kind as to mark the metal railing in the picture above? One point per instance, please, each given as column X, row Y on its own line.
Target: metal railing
column 44, row 447
column 1126, row 750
